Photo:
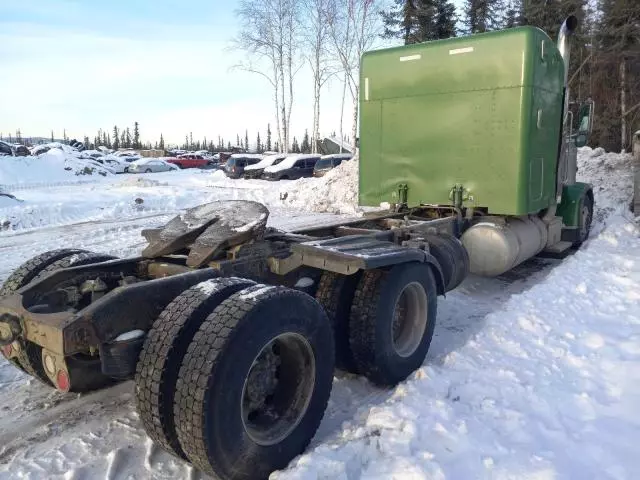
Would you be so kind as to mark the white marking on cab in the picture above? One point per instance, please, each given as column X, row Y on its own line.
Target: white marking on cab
column 366, row 89
column 410, row 58
column 458, row 51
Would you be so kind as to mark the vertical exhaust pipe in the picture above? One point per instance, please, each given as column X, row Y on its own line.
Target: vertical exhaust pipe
column 567, row 164
column 566, row 30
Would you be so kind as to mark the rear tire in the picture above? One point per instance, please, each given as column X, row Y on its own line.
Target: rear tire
column 392, row 321
column 162, row 353
column 29, row 359
column 243, row 407
column 335, row 294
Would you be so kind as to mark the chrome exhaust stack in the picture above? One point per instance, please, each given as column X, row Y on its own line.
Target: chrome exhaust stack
column 566, row 30
column 568, row 154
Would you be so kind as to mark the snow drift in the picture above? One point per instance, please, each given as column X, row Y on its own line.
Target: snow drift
column 335, row 192
column 49, row 168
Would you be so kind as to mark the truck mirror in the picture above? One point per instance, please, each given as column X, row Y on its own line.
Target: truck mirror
column 585, row 123
column 581, row 140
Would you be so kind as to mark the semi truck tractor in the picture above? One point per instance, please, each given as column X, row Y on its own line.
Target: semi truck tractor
column 231, row 330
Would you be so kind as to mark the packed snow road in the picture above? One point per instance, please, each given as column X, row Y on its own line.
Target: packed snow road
column 534, row 374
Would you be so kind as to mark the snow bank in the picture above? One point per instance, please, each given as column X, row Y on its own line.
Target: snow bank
column 335, row 192
column 611, row 175
column 52, row 167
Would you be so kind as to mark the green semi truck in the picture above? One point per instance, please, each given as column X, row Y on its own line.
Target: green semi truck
column 482, row 124
column 231, row 330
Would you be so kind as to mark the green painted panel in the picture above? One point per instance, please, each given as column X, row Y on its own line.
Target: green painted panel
column 482, row 111
column 569, row 207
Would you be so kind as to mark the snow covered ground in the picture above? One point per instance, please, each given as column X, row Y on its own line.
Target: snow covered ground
column 535, row 374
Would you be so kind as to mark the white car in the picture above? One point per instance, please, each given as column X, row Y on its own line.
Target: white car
column 149, row 165
column 128, row 155
column 114, row 164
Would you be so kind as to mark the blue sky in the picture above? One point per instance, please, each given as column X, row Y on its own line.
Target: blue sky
column 83, row 65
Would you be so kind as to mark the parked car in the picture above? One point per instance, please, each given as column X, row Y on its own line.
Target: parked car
column 115, row 165
column 5, row 149
column 148, row 165
column 256, row 170
column 13, row 149
column 327, row 162
column 292, row 168
column 128, row 155
column 190, row 160
column 236, row 163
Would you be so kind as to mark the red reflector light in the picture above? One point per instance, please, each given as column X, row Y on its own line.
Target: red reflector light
column 62, row 381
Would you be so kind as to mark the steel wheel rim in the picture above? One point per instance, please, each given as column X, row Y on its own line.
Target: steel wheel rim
column 584, row 228
column 410, row 319
column 270, row 409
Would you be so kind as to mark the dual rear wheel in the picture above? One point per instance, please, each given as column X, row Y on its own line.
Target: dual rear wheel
column 235, row 376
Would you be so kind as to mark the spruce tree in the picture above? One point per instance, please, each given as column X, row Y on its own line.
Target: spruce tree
column 306, row 146
column 268, row 143
column 514, row 15
column 416, row 21
column 161, row 144
column 136, row 135
column 116, row 139
column 127, row 138
column 52, row 140
column 87, row 143
column 259, row 148
column 482, row 15
column 246, row 140
column 295, row 148
column 238, row 144
column 229, row 145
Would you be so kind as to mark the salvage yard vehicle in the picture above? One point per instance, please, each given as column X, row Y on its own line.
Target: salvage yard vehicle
column 236, row 163
column 231, row 330
column 256, row 170
column 328, row 162
column 292, row 167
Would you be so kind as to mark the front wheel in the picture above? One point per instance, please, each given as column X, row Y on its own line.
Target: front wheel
column 585, row 220
column 255, row 383
column 148, row 170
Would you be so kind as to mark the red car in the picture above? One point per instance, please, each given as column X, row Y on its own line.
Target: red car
column 190, row 160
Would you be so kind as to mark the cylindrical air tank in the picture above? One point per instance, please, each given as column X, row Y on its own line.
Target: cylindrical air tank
column 497, row 244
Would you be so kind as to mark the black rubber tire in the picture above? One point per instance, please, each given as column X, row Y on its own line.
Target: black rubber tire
column 371, row 320
column 31, row 268
column 162, row 353
column 335, row 294
column 210, row 384
column 30, row 357
column 452, row 257
column 587, row 201
column 148, row 170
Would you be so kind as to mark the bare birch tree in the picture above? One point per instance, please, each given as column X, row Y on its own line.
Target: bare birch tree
column 316, row 41
column 269, row 36
column 353, row 26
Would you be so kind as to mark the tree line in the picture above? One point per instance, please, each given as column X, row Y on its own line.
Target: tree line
column 605, row 58
column 118, row 138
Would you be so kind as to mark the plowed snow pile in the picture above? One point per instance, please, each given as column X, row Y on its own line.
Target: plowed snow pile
column 52, row 167
column 335, row 192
